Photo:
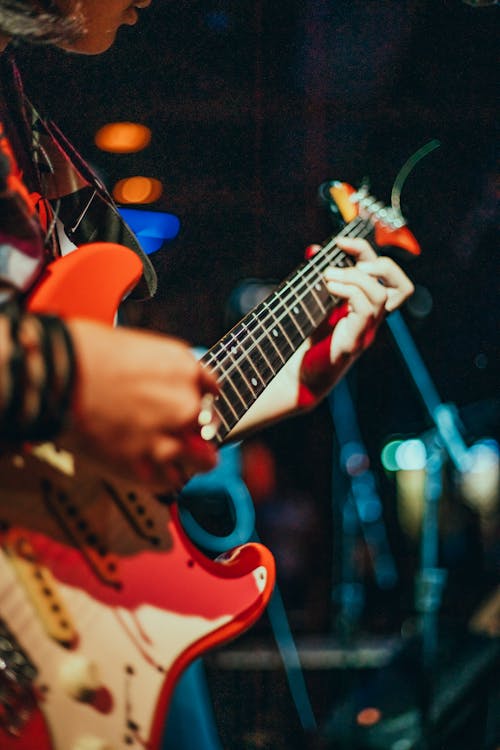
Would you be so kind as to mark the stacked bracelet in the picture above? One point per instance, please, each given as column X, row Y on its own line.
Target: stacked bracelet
column 40, row 378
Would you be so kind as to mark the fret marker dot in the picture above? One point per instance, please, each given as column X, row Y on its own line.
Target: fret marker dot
column 234, row 350
column 275, row 332
column 254, row 381
column 296, row 310
column 318, row 287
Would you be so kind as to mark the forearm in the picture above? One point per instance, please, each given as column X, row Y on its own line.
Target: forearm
column 298, row 387
column 279, row 400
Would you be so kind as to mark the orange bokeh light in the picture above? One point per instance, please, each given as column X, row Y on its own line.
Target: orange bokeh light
column 123, row 137
column 367, row 717
column 137, row 190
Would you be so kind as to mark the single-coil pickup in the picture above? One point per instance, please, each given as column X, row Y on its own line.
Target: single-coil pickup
column 135, row 509
column 82, row 533
column 41, row 588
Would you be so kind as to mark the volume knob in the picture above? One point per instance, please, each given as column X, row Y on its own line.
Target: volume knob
column 79, row 677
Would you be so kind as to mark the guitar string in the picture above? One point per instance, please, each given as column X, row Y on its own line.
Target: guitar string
column 227, row 377
column 308, row 273
column 227, row 400
column 254, row 322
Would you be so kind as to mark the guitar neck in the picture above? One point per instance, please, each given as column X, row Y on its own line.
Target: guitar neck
column 247, row 358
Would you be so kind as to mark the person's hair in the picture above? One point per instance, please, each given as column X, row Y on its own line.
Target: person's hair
column 39, row 22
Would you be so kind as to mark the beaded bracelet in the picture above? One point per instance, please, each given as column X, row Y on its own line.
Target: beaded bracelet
column 40, row 378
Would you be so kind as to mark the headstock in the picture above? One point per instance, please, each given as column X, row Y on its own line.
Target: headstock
column 389, row 225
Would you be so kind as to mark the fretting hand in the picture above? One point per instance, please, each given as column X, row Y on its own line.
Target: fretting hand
column 373, row 287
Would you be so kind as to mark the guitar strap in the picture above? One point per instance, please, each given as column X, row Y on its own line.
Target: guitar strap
column 72, row 202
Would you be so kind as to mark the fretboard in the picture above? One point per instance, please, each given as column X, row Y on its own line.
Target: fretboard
column 247, row 358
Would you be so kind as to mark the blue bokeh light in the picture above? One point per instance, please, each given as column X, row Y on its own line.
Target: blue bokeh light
column 152, row 228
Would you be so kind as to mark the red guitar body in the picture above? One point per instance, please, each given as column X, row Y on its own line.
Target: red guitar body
column 103, row 599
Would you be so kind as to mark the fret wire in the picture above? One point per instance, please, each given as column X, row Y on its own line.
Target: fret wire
column 273, row 328
column 271, row 350
column 271, row 353
column 259, row 324
column 321, row 260
column 240, row 370
column 317, row 311
column 228, row 352
column 357, row 228
column 295, row 334
column 239, row 383
column 257, row 377
column 272, row 362
column 261, row 350
column 318, row 301
column 232, row 345
column 221, row 434
column 296, row 311
column 285, row 299
column 236, row 413
column 279, row 344
column 235, row 408
column 291, row 317
column 273, row 316
column 225, row 397
column 218, row 406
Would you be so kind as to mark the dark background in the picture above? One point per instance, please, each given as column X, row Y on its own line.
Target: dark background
column 253, row 106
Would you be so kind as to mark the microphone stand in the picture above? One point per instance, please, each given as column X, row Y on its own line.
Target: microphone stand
column 448, row 442
column 361, row 510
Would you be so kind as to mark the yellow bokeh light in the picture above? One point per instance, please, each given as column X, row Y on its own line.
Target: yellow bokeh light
column 137, row 190
column 123, row 137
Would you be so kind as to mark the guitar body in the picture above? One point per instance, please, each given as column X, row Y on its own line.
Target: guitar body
column 35, row 734
column 103, row 599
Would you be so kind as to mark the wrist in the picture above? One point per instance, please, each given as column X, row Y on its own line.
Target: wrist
column 318, row 373
column 38, row 378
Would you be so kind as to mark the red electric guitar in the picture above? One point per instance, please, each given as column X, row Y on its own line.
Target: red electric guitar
column 103, row 599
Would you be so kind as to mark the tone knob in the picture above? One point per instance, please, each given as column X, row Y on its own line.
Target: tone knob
column 89, row 742
column 80, row 679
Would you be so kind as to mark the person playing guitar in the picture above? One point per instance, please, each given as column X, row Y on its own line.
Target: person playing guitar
column 136, row 397
column 136, row 404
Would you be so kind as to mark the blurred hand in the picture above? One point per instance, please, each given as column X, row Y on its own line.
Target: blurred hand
column 137, row 401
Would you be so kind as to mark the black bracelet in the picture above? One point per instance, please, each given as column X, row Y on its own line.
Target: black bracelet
column 57, row 389
column 15, row 368
column 54, row 391
column 70, row 370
